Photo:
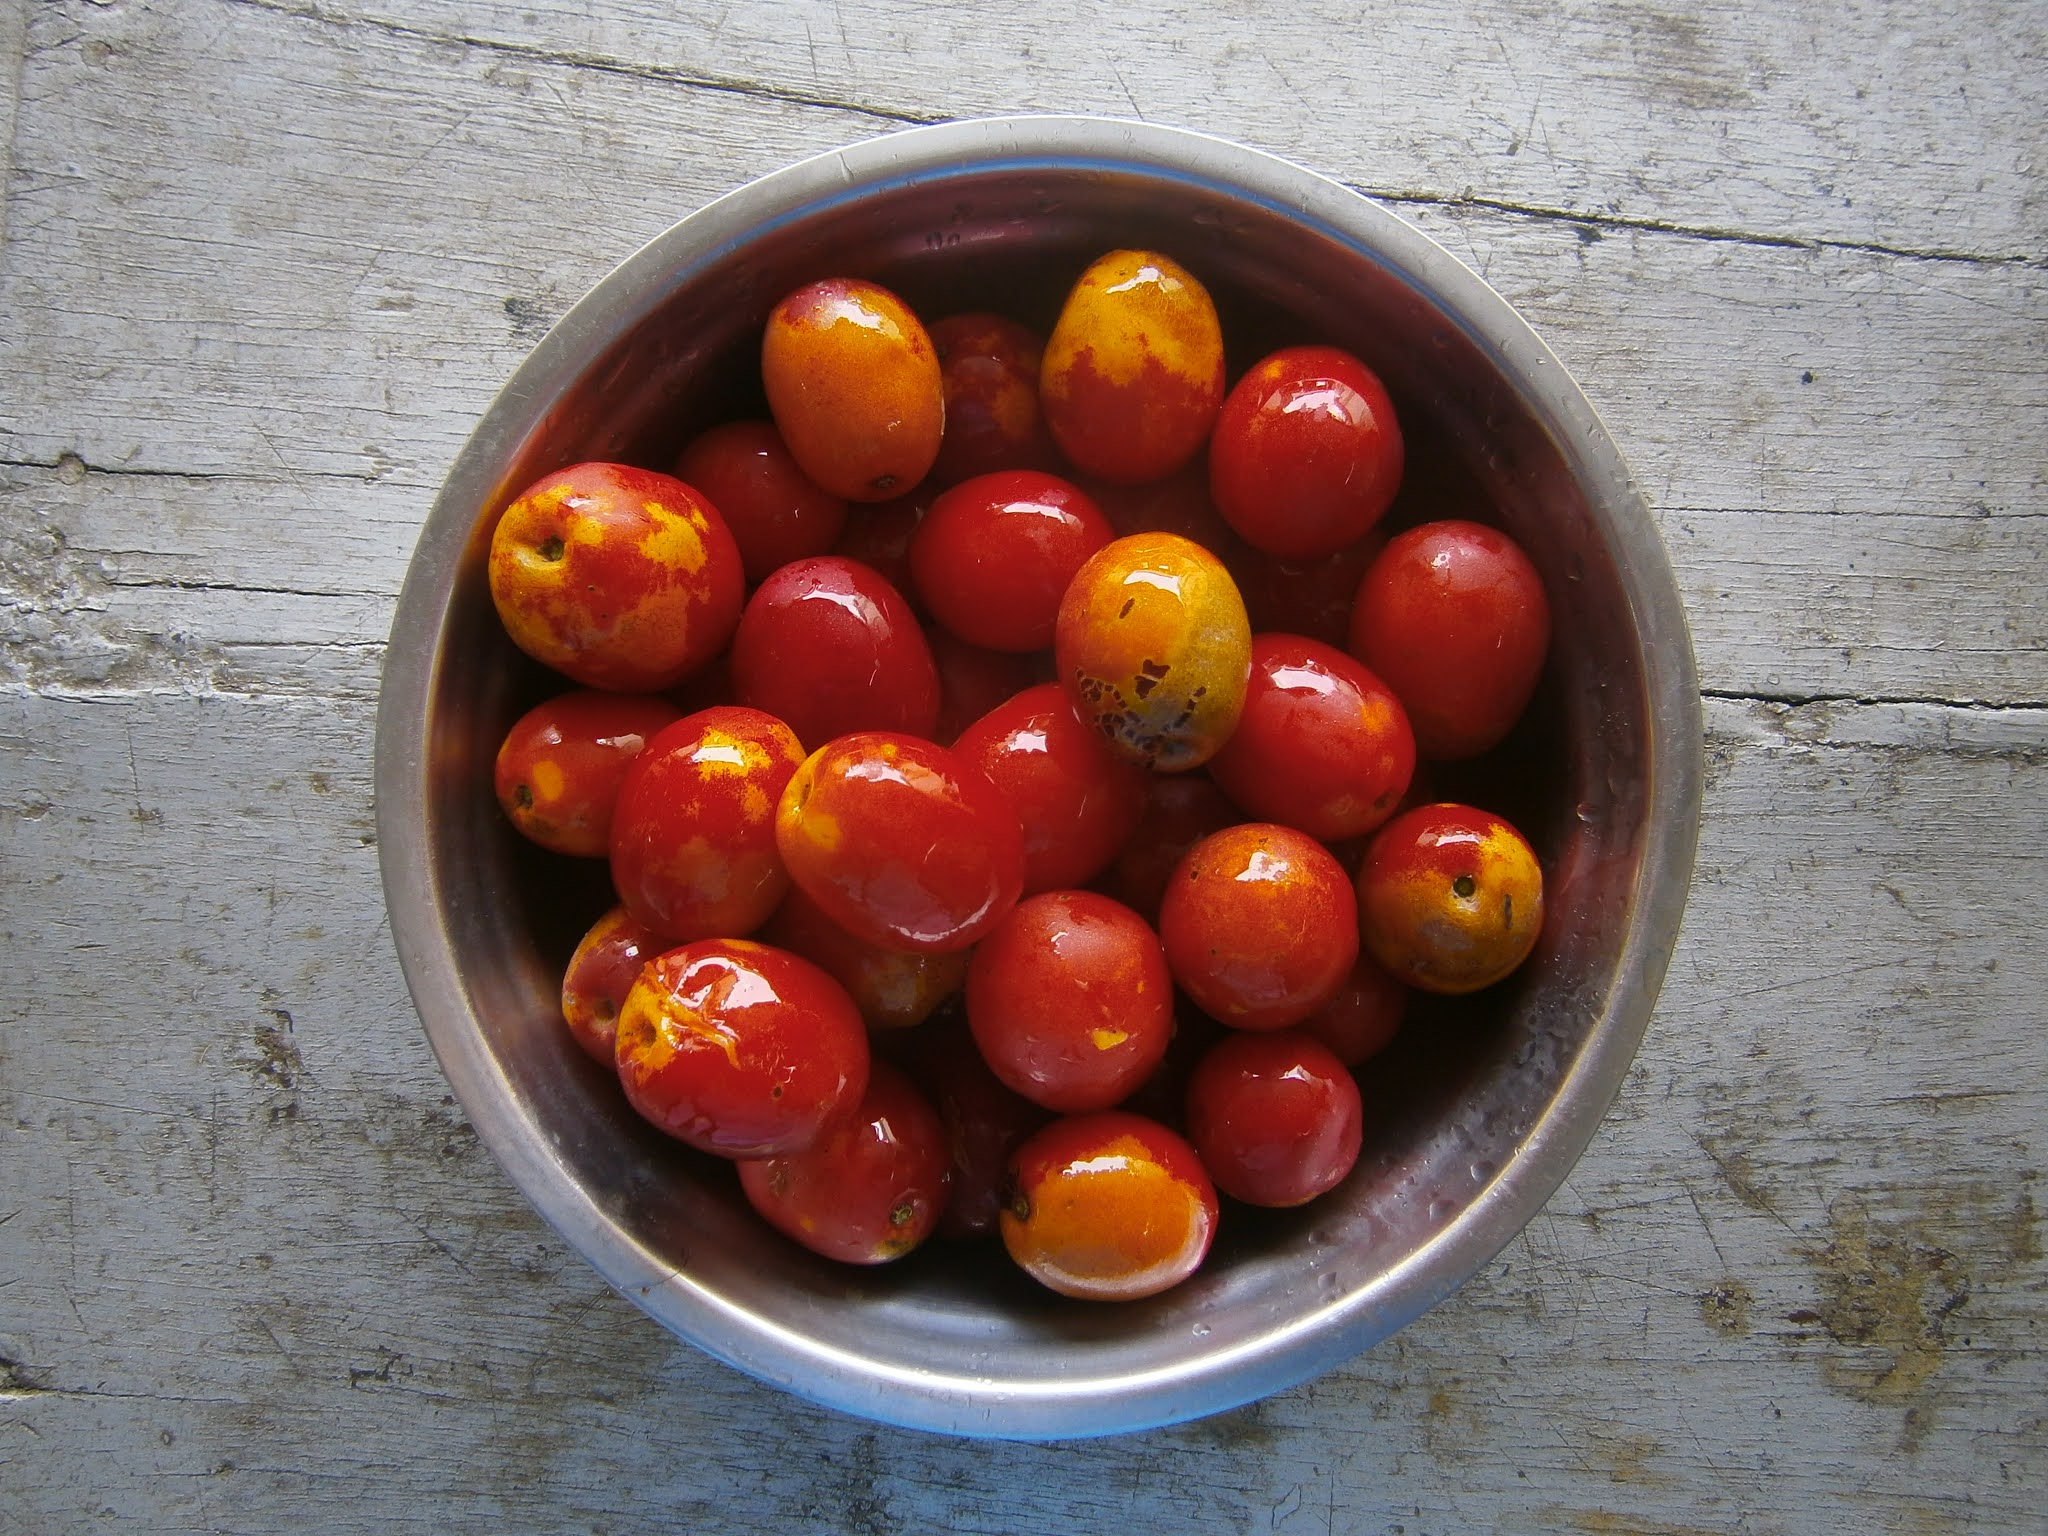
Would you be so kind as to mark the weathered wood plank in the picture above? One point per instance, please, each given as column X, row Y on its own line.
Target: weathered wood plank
column 249, row 1252
column 13, row 41
column 314, row 313
column 266, row 586
column 1896, row 126
column 1699, row 353
column 1794, row 606
column 1740, row 376
column 260, row 270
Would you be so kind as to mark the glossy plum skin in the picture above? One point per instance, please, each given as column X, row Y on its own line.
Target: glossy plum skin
column 602, row 971
column 1322, row 745
column 994, row 555
column 1260, row 925
column 984, row 1120
column 1365, row 1015
column 1306, row 455
column 558, row 772
column 893, row 988
column 853, row 384
column 1453, row 616
column 1108, row 1206
column 740, row 1049
column 1133, row 370
column 1154, row 647
column 1075, row 801
column 871, row 1189
column 1070, row 1001
column 1180, row 810
column 1450, row 898
column 619, row 578
column 776, row 514
column 1276, row 1118
column 901, row 842
column 693, row 852
column 988, row 369
column 828, row 646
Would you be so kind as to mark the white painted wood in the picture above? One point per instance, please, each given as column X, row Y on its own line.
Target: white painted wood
column 13, row 40
column 237, row 584
column 271, row 292
column 1902, row 126
column 1745, row 383
column 1795, row 1286
column 263, row 265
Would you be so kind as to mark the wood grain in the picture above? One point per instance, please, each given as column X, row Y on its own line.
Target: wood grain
column 262, row 263
column 245, row 584
column 252, row 1252
column 1892, row 127
column 1751, row 387
column 310, row 316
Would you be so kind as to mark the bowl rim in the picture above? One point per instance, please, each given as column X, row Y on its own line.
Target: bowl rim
column 1320, row 1337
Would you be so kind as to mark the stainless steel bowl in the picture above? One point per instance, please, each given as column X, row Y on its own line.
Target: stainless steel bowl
column 1481, row 1108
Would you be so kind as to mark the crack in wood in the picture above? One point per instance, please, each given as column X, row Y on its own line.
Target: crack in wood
column 1797, row 699
column 1975, row 511
column 602, row 63
column 190, row 584
column 1587, row 219
column 71, row 468
column 1712, row 234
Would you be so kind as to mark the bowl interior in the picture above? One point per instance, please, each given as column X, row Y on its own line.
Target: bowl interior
column 1473, row 1116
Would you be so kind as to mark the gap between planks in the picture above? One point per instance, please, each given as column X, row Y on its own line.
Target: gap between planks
column 605, row 63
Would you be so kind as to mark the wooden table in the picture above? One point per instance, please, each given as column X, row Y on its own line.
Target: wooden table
column 264, row 263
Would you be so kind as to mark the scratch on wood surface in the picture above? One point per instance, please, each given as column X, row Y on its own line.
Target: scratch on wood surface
column 72, row 1098
column 271, row 1334
column 1706, row 1226
column 1898, row 1111
column 442, row 1248
column 602, row 63
column 1136, row 111
column 1285, row 80
column 1716, row 234
column 213, row 1153
column 14, row 60
column 1741, row 1121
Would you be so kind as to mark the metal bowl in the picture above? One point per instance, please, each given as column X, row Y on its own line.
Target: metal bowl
column 1482, row 1106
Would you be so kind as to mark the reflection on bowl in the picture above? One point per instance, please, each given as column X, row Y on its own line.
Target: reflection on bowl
column 1483, row 1104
